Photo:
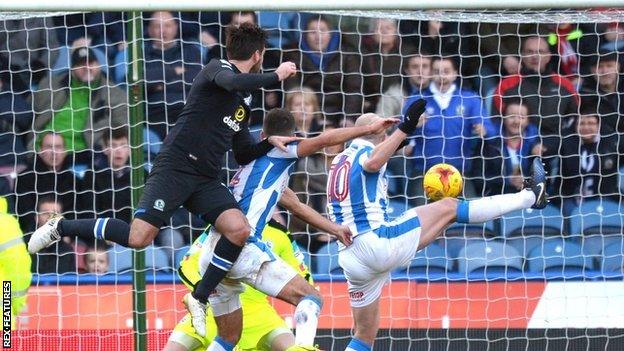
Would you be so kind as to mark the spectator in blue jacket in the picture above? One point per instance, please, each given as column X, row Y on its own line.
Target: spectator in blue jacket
column 455, row 121
column 507, row 159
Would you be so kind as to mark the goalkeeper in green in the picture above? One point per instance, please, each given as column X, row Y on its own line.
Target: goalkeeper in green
column 263, row 328
column 14, row 261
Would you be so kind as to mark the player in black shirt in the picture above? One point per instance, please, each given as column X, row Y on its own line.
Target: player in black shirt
column 186, row 171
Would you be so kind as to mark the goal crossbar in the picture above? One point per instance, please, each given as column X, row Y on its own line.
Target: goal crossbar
column 300, row 5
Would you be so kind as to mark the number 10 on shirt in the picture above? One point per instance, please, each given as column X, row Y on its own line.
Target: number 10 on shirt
column 338, row 185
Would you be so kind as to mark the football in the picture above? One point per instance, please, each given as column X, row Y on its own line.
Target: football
column 442, row 180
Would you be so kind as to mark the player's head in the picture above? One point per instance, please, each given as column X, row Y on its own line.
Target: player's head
column 278, row 122
column 444, row 72
column 368, row 119
column 96, row 258
column 246, row 43
column 515, row 117
column 116, row 147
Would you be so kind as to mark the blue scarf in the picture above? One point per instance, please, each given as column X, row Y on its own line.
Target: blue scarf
column 321, row 60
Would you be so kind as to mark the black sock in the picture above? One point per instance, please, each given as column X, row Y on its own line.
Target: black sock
column 225, row 253
column 101, row 228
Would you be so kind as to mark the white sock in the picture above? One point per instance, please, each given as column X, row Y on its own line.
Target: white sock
column 488, row 208
column 306, row 319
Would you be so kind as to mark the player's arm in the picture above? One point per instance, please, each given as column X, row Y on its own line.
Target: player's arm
column 246, row 149
column 342, row 135
column 290, row 201
column 230, row 81
column 384, row 150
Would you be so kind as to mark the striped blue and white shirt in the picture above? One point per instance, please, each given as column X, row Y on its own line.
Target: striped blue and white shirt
column 258, row 186
column 357, row 198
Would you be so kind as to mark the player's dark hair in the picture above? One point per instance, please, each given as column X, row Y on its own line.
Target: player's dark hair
column 279, row 122
column 114, row 134
column 244, row 40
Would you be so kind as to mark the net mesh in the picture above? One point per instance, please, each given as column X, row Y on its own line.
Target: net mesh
column 522, row 83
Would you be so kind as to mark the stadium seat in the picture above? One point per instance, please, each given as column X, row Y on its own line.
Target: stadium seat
column 327, row 259
column 489, row 256
column 524, row 244
column 453, row 245
column 558, row 256
column 486, row 229
column 431, row 259
column 613, row 258
column 597, row 217
column 547, row 221
column 594, row 244
column 120, row 259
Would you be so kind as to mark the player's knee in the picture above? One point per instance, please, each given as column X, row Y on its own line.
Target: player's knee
column 238, row 234
column 141, row 235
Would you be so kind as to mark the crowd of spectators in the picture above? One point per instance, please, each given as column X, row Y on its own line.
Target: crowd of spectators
column 497, row 97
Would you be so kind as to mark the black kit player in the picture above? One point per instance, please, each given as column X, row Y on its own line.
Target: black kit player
column 186, row 171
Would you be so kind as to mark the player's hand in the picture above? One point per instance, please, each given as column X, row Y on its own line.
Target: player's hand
column 280, row 142
column 412, row 116
column 383, row 124
column 343, row 234
column 285, row 70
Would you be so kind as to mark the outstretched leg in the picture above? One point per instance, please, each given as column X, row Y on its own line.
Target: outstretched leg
column 138, row 235
column 435, row 217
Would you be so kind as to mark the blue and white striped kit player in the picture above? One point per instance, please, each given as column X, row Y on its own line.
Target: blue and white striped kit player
column 358, row 199
column 355, row 198
column 258, row 186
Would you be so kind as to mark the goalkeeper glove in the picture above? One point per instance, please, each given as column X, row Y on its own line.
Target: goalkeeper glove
column 412, row 115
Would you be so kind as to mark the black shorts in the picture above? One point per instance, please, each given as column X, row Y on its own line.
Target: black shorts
column 174, row 184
